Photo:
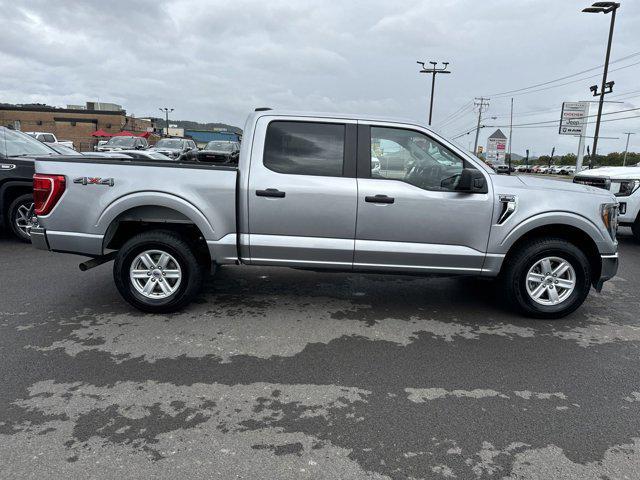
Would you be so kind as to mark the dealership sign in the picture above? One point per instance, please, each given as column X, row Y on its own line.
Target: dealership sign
column 573, row 119
column 496, row 148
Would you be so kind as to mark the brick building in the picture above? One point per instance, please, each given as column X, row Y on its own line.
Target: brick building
column 72, row 124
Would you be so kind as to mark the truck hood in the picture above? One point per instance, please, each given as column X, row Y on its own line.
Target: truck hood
column 621, row 173
column 561, row 186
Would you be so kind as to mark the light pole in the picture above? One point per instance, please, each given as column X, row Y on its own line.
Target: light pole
column 606, row 87
column 166, row 115
column 626, row 149
column 433, row 70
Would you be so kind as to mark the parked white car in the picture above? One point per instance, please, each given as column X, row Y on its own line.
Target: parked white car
column 50, row 139
column 624, row 183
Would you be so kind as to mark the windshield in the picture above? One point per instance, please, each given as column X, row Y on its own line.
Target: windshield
column 121, row 142
column 169, row 143
column 64, row 150
column 17, row 144
column 217, row 145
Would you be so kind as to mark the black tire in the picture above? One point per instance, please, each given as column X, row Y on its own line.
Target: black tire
column 192, row 272
column 514, row 277
column 635, row 229
column 15, row 214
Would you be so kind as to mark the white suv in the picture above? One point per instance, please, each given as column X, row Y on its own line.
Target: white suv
column 624, row 183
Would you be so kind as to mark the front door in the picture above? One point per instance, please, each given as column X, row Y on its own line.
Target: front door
column 409, row 216
column 302, row 195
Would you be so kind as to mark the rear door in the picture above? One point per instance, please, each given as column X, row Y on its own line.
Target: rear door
column 409, row 215
column 302, row 194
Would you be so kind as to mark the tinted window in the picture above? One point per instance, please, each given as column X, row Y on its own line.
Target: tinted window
column 305, row 148
column 413, row 158
column 49, row 138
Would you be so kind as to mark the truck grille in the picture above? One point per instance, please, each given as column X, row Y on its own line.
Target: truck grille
column 598, row 182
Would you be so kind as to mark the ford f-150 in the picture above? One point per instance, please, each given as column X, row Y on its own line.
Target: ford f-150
column 341, row 192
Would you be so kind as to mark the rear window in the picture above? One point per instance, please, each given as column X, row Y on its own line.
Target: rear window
column 305, row 148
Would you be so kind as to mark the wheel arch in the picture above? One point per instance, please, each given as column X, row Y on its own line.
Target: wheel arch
column 130, row 216
column 571, row 233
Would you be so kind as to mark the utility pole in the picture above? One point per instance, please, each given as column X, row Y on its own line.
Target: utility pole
column 480, row 103
column 433, row 70
column 626, row 149
column 526, row 160
column 166, row 114
column 553, row 150
column 606, row 87
column 510, row 133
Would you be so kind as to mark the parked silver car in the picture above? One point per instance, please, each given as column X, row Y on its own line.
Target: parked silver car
column 304, row 196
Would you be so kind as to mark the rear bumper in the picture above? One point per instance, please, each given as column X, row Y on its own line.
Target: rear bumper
column 39, row 238
column 609, row 268
column 68, row 242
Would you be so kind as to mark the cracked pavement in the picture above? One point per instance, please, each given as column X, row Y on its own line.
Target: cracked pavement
column 280, row 373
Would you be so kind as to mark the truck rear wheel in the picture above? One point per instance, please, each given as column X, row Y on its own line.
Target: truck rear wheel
column 157, row 272
column 547, row 278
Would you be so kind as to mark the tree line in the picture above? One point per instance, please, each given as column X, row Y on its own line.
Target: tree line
column 613, row 159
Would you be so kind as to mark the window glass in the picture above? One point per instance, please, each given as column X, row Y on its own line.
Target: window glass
column 49, row 138
column 17, row 144
column 414, row 158
column 305, row 148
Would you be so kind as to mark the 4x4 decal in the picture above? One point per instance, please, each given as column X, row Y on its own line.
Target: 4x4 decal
column 94, row 181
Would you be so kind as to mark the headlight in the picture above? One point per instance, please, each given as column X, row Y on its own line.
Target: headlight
column 609, row 215
column 627, row 187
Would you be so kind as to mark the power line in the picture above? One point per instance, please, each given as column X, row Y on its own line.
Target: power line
column 566, row 83
column 457, row 114
column 635, row 54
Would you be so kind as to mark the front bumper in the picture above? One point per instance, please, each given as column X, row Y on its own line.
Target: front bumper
column 608, row 269
column 39, row 238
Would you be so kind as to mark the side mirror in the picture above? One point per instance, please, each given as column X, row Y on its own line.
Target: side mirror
column 471, row 181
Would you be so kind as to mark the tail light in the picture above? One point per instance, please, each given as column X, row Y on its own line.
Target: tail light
column 47, row 190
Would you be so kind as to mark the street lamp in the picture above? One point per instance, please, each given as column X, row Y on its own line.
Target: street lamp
column 166, row 113
column 433, row 70
column 606, row 87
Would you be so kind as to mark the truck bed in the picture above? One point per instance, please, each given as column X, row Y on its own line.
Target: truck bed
column 100, row 192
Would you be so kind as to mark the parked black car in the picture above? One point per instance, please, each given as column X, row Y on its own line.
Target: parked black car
column 16, row 179
column 220, row 151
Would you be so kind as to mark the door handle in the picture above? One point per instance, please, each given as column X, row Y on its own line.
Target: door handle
column 379, row 199
column 270, row 192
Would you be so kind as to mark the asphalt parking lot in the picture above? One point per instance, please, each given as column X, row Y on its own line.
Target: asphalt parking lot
column 278, row 373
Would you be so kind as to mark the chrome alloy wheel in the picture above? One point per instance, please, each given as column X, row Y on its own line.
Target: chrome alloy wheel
column 23, row 219
column 550, row 281
column 155, row 274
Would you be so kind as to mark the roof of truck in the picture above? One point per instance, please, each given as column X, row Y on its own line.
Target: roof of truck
column 345, row 116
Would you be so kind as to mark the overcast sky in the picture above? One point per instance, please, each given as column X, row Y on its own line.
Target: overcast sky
column 217, row 60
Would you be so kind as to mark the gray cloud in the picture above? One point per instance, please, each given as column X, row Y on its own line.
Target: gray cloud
column 217, row 60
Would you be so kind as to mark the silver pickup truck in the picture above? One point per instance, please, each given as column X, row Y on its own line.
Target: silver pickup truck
column 338, row 192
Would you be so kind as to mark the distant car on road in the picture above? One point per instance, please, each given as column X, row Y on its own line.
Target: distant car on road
column 174, row 147
column 50, row 139
column 124, row 143
column 502, row 169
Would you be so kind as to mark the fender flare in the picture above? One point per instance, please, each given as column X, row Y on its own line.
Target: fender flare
column 556, row 218
column 156, row 199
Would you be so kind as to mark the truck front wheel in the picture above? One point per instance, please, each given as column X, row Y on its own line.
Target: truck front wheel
column 18, row 217
column 157, row 272
column 547, row 278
